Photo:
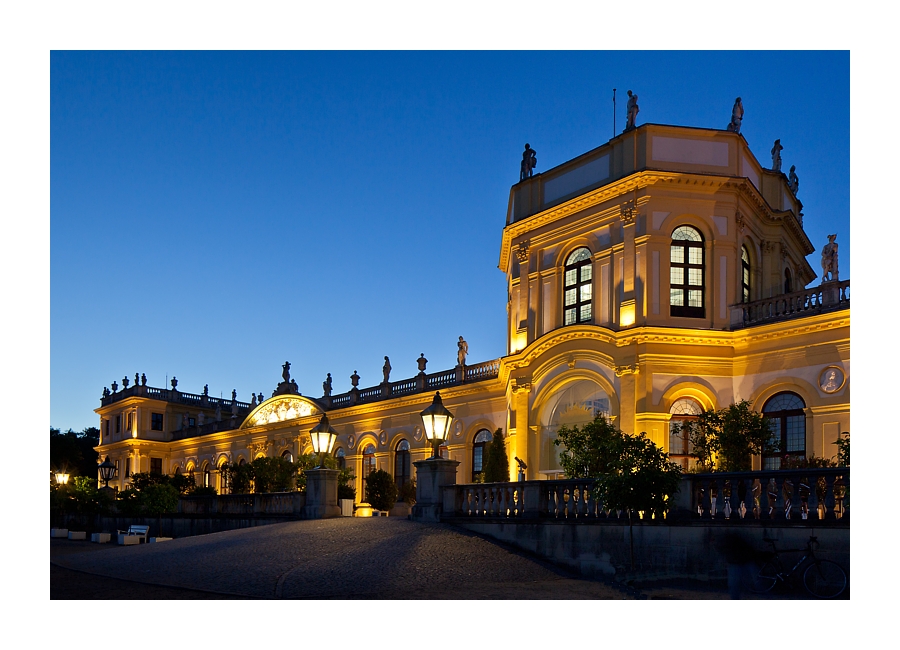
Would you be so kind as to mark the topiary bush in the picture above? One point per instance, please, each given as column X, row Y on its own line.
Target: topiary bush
column 381, row 490
column 496, row 462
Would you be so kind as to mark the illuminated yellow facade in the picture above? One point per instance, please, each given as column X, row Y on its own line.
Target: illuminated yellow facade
column 656, row 275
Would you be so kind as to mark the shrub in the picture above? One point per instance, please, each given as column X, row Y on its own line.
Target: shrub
column 381, row 490
column 202, row 491
column 725, row 440
column 407, row 493
column 587, row 452
column 843, row 445
column 496, row 462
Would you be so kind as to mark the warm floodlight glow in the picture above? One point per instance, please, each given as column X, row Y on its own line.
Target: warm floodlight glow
column 107, row 471
column 626, row 314
column 62, row 478
column 436, row 419
column 322, row 437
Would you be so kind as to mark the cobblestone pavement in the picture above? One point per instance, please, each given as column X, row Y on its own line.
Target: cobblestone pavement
column 344, row 558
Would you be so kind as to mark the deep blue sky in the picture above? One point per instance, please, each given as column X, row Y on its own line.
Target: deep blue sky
column 215, row 214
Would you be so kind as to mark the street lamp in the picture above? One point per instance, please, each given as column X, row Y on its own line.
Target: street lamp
column 62, row 478
column 107, row 471
column 436, row 420
column 322, row 437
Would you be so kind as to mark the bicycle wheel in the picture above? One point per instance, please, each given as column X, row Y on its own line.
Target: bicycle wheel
column 825, row 579
column 762, row 580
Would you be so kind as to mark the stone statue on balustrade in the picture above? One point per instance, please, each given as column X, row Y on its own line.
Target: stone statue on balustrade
column 386, row 370
column 174, row 383
column 354, row 379
column 286, row 372
column 252, row 400
column 105, row 392
column 737, row 116
column 326, row 386
column 114, row 387
column 137, row 380
column 124, row 383
column 793, row 181
column 233, row 395
column 830, row 260
column 422, row 361
column 631, row 111
column 205, row 390
column 529, row 162
column 462, row 351
column 776, row 156
column 143, row 379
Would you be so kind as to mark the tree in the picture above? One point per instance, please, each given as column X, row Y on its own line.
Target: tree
column 496, row 462
column 587, row 451
column 381, row 490
column 73, row 452
column 843, row 445
column 727, row 439
column 273, row 475
column 631, row 474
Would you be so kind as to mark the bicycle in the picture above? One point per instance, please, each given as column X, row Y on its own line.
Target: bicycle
column 821, row 578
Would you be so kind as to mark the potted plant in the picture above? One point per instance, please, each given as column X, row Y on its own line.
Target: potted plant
column 381, row 490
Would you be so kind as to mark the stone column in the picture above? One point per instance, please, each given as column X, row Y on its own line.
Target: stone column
column 521, row 446
column 321, row 494
column 431, row 475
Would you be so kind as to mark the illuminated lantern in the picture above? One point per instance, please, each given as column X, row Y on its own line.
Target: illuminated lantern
column 436, row 420
column 322, row 437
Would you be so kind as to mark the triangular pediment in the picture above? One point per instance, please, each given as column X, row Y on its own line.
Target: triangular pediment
column 279, row 409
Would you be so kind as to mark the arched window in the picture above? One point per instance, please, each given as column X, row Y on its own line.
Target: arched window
column 788, row 281
column 745, row 275
column 686, row 273
column 578, row 287
column 574, row 405
column 368, row 460
column 787, row 421
column 683, row 410
column 288, row 456
column 207, row 475
column 341, row 457
column 401, row 463
column 482, row 439
column 223, row 478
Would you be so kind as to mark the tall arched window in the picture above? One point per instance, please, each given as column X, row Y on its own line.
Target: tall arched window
column 206, row 476
column 578, row 290
column 288, row 456
column 368, row 460
column 788, row 281
column 401, row 463
column 686, row 273
column 341, row 457
column 745, row 275
column 482, row 438
column 683, row 410
column 787, row 421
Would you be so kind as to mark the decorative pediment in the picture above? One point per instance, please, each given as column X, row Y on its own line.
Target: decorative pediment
column 281, row 408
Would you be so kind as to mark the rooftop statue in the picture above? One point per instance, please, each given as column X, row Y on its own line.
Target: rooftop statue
column 326, row 386
column 737, row 115
column 776, row 156
column 252, row 399
column 233, row 395
column 205, row 390
column 529, row 162
column 386, row 369
column 114, row 386
column 422, row 361
column 354, row 379
column 793, row 181
column 124, row 383
column 830, row 260
column 631, row 110
column 286, row 371
column 462, row 351
column 174, row 383
column 137, row 379
column 143, row 379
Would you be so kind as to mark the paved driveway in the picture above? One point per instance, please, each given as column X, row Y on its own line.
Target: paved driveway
column 344, row 558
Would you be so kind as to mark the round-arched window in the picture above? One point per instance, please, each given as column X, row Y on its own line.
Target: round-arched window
column 745, row 275
column 787, row 421
column 368, row 460
column 687, row 271
column 684, row 409
column 288, row 456
column 401, row 463
column 574, row 405
column 578, row 289
column 482, row 438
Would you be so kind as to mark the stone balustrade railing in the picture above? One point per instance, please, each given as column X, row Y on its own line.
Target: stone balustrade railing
column 826, row 297
column 278, row 503
column 815, row 494
column 174, row 396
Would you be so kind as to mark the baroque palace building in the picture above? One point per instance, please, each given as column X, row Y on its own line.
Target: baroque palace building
column 655, row 276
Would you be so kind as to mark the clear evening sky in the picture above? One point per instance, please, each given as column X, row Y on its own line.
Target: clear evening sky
column 216, row 214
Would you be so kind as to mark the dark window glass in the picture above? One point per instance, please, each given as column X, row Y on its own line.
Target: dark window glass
column 156, row 465
column 680, row 448
column 156, row 421
column 745, row 275
column 687, row 273
column 787, row 422
column 401, row 463
column 788, row 281
column 118, row 424
column 578, row 287
column 127, row 467
column 482, row 438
